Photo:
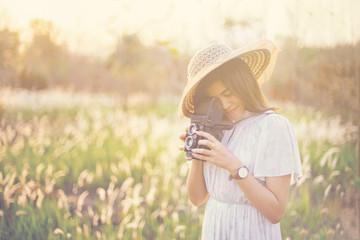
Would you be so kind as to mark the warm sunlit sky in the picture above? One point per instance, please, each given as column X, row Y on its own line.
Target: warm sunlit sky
column 93, row 26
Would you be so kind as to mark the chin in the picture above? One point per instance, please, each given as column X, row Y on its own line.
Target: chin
column 236, row 118
column 233, row 118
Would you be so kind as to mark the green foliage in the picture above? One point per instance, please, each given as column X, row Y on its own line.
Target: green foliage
column 97, row 149
column 93, row 171
column 32, row 80
column 152, row 70
column 44, row 62
column 324, row 78
column 9, row 55
column 318, row 203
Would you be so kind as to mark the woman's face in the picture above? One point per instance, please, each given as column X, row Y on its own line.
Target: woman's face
column 230, row 103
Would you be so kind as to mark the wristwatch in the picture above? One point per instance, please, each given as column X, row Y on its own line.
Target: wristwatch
column 241, row 173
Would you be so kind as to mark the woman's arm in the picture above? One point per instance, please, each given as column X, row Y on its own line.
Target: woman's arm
column 270, row 200
column 195, row 183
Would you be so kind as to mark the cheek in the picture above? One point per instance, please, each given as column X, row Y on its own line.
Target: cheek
column 224, row 101
column 237, row 100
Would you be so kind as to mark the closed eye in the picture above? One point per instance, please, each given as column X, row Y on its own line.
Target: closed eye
column 226, row 93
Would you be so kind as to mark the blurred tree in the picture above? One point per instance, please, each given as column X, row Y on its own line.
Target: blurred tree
column 124, row 62
column 148, row 69
column 320, row 77
column 91, row 74
column 45, row 63
column 9, row 53
column 336, row 79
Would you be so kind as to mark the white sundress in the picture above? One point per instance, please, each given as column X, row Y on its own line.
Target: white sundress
column 266, row 144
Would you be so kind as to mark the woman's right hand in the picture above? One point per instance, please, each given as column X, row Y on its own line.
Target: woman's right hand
column 182, row 138
column 195, row 184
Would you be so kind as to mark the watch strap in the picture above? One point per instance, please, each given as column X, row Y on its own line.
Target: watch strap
column 236, row 175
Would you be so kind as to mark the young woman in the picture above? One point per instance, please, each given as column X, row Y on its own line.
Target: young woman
column 244, row 178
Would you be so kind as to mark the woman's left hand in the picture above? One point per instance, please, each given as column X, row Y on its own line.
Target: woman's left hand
column 218, row 153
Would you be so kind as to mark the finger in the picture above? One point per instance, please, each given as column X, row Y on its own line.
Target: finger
column 182, row 137
column 206, row 135
column 207, row 143
column 202, row 157
column 182, row 147
column 202, row 151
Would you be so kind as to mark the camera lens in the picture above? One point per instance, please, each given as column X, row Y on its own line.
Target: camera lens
column 190, row 141
column 193, row 127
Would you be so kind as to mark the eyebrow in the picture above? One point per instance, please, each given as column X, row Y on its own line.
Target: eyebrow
column 224, row 91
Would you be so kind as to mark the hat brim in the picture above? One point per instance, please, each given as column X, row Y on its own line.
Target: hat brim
column 260, row 57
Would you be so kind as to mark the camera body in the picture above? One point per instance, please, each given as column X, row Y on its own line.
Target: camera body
column 208, row 117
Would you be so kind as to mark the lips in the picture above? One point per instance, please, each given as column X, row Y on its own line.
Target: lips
column 231, row 112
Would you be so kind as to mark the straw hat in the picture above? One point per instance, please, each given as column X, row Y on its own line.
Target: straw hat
column 259, row 56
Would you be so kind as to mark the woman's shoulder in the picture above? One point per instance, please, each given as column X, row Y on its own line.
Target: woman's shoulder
column 273, row 119
column 268, row 119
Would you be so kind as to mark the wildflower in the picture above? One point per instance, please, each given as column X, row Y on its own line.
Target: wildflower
column 58, row 231
column 304, row 232
column 81, row 177
column 81, row 199
column 331, row 232
column 40, row 198
column 20, row 212
column 324, row 212
column 102, row 194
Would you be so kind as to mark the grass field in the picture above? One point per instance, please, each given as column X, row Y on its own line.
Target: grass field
column 81, row 166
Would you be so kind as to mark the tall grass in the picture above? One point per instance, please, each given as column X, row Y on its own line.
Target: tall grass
column 75, row 166
column 319, row 205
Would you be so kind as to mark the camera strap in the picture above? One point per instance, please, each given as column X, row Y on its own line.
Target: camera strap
column 246, row 115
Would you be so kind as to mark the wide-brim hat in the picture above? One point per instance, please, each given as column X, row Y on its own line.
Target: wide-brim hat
column 259, row 56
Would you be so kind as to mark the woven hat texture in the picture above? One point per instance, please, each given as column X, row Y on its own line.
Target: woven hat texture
column 260, row 57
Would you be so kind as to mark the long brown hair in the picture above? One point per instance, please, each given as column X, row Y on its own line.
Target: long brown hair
column 238, row 78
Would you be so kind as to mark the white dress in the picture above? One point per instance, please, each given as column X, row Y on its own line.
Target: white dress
column 266, row 144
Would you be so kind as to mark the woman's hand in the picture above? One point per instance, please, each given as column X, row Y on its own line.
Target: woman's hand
column 183, row 135
column 218, row 153
column 270, row 200
column 195, row 184
column 182, row 138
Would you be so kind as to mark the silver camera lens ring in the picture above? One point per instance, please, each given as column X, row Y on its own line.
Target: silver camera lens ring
column 193, row 127
column 189, row 142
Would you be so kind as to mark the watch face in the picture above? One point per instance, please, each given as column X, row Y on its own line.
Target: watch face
column 243, row 172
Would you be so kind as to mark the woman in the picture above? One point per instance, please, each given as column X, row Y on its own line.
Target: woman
column 245, row 178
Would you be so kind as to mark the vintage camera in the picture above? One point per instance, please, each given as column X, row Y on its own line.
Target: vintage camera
column 208, row 117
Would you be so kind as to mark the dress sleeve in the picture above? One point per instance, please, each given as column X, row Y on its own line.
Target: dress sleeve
column 277, row 152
